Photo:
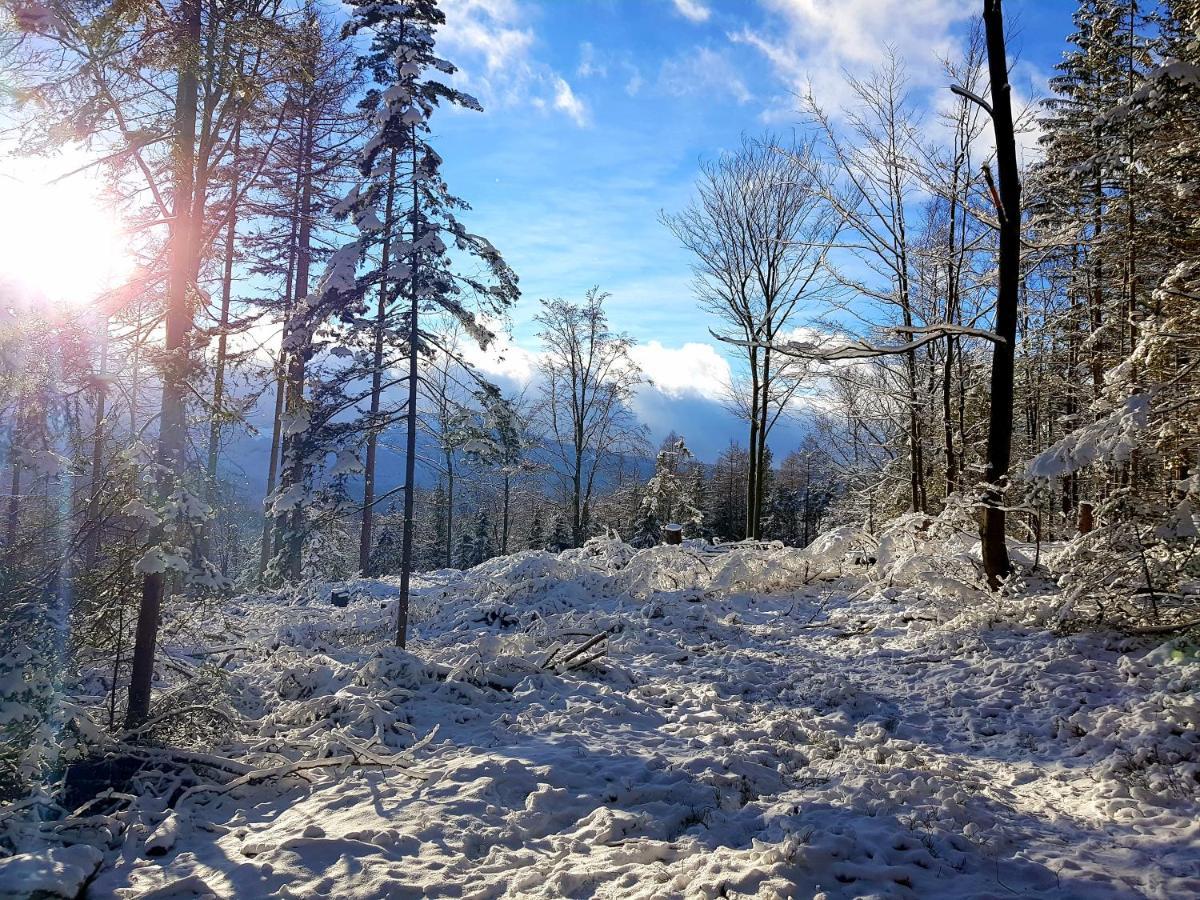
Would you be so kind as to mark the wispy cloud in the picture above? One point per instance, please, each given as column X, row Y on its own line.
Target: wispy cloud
column 493, row 44
column 812, row 45
column 590, row 64
column 566, row 101
column 692, row 10
column 702, row 71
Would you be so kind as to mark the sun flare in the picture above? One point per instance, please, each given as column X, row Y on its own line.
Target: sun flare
column 61, row 241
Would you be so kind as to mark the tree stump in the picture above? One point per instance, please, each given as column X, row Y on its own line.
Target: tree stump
column 1085, row 521
column 672, row 534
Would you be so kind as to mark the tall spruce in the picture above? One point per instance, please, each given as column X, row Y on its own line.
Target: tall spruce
column 407, row 88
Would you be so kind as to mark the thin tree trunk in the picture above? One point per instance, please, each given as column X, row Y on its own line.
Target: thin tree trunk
column 294, row 471
column 761, row 450
column 449, row 509
column 410, row 451
column 214, row 428
column 504, row 518
column 266, row 547
column 368, row 515
column 92, row 547
column 14, row 496
column 752, row 462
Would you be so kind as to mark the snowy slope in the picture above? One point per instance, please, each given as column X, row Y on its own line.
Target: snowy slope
column 746, row 735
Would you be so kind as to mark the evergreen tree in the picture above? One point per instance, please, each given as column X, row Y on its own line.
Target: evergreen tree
column 560, row 534
column 407, row 89
column 668, row 498
column 483, row 546
column 535, row 537
column 465, row 555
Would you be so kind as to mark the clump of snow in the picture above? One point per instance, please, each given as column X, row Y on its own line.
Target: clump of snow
column 55, row 872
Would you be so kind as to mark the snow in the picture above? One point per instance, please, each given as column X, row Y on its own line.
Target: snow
column 59, row 872
column 1113, row 437
column 764, row 722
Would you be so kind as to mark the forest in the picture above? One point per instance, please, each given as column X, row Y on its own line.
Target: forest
column 304, row 594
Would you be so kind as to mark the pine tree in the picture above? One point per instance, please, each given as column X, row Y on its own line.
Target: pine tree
column 668, row 498
column 560, row 534
column 535, row 538
column 484, row 548
column 407, row 89
column 466, row 554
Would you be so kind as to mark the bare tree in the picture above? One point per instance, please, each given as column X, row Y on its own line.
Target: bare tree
column 589, row 380
column 868, row 180
column 760, row 233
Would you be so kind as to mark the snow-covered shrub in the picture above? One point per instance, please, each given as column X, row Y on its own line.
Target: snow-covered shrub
column 1127, row 569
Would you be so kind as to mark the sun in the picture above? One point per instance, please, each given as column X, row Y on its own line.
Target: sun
column 59, row 239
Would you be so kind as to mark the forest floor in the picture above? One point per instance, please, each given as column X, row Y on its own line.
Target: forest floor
column 744, row 735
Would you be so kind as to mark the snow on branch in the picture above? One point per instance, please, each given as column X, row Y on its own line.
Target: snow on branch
column 862, row 349
column 1111, row 438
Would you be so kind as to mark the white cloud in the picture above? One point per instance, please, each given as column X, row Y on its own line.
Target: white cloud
column 702, row 71
column 504, row 360
column 812, row 43
column 692, row 10
column 566, row 101
column 487, row 28
column 695, row 369
column 590, row 64
column 493, row 44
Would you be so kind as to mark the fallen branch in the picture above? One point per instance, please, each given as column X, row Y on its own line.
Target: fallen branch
column 1165, row 629
column 584, row 662
column 582, row 648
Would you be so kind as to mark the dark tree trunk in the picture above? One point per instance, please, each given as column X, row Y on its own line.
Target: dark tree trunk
column 999, row 444
column 214, row 428
column 266, row 548
column 172, row 438
column 92, row 545
column 294, row 471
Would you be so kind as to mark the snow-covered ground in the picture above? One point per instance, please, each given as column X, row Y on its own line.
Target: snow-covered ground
column 759, row 726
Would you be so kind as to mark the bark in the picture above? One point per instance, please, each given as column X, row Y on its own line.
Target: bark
column 218, row 400
column 752, row 463
column 180, row 288
column 266, row 548
column 14, row 496
column 999, row 443
column 410, row 444
column 92, row 546
column 504, row 518
column 293, row 536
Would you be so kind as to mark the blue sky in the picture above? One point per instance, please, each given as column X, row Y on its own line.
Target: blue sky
column 598, row 111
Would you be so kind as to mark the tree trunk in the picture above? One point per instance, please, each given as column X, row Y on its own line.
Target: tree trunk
column 761, row 468
column 999, row 443
column 92, row 545
column 266, row 548
column 214, row 428
column 410, row 444
column 504, row 523
column 449, row 509
column 752, row 462
column 172, row 438
column 14, row 496
column 294, row 470
column 368, row 515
